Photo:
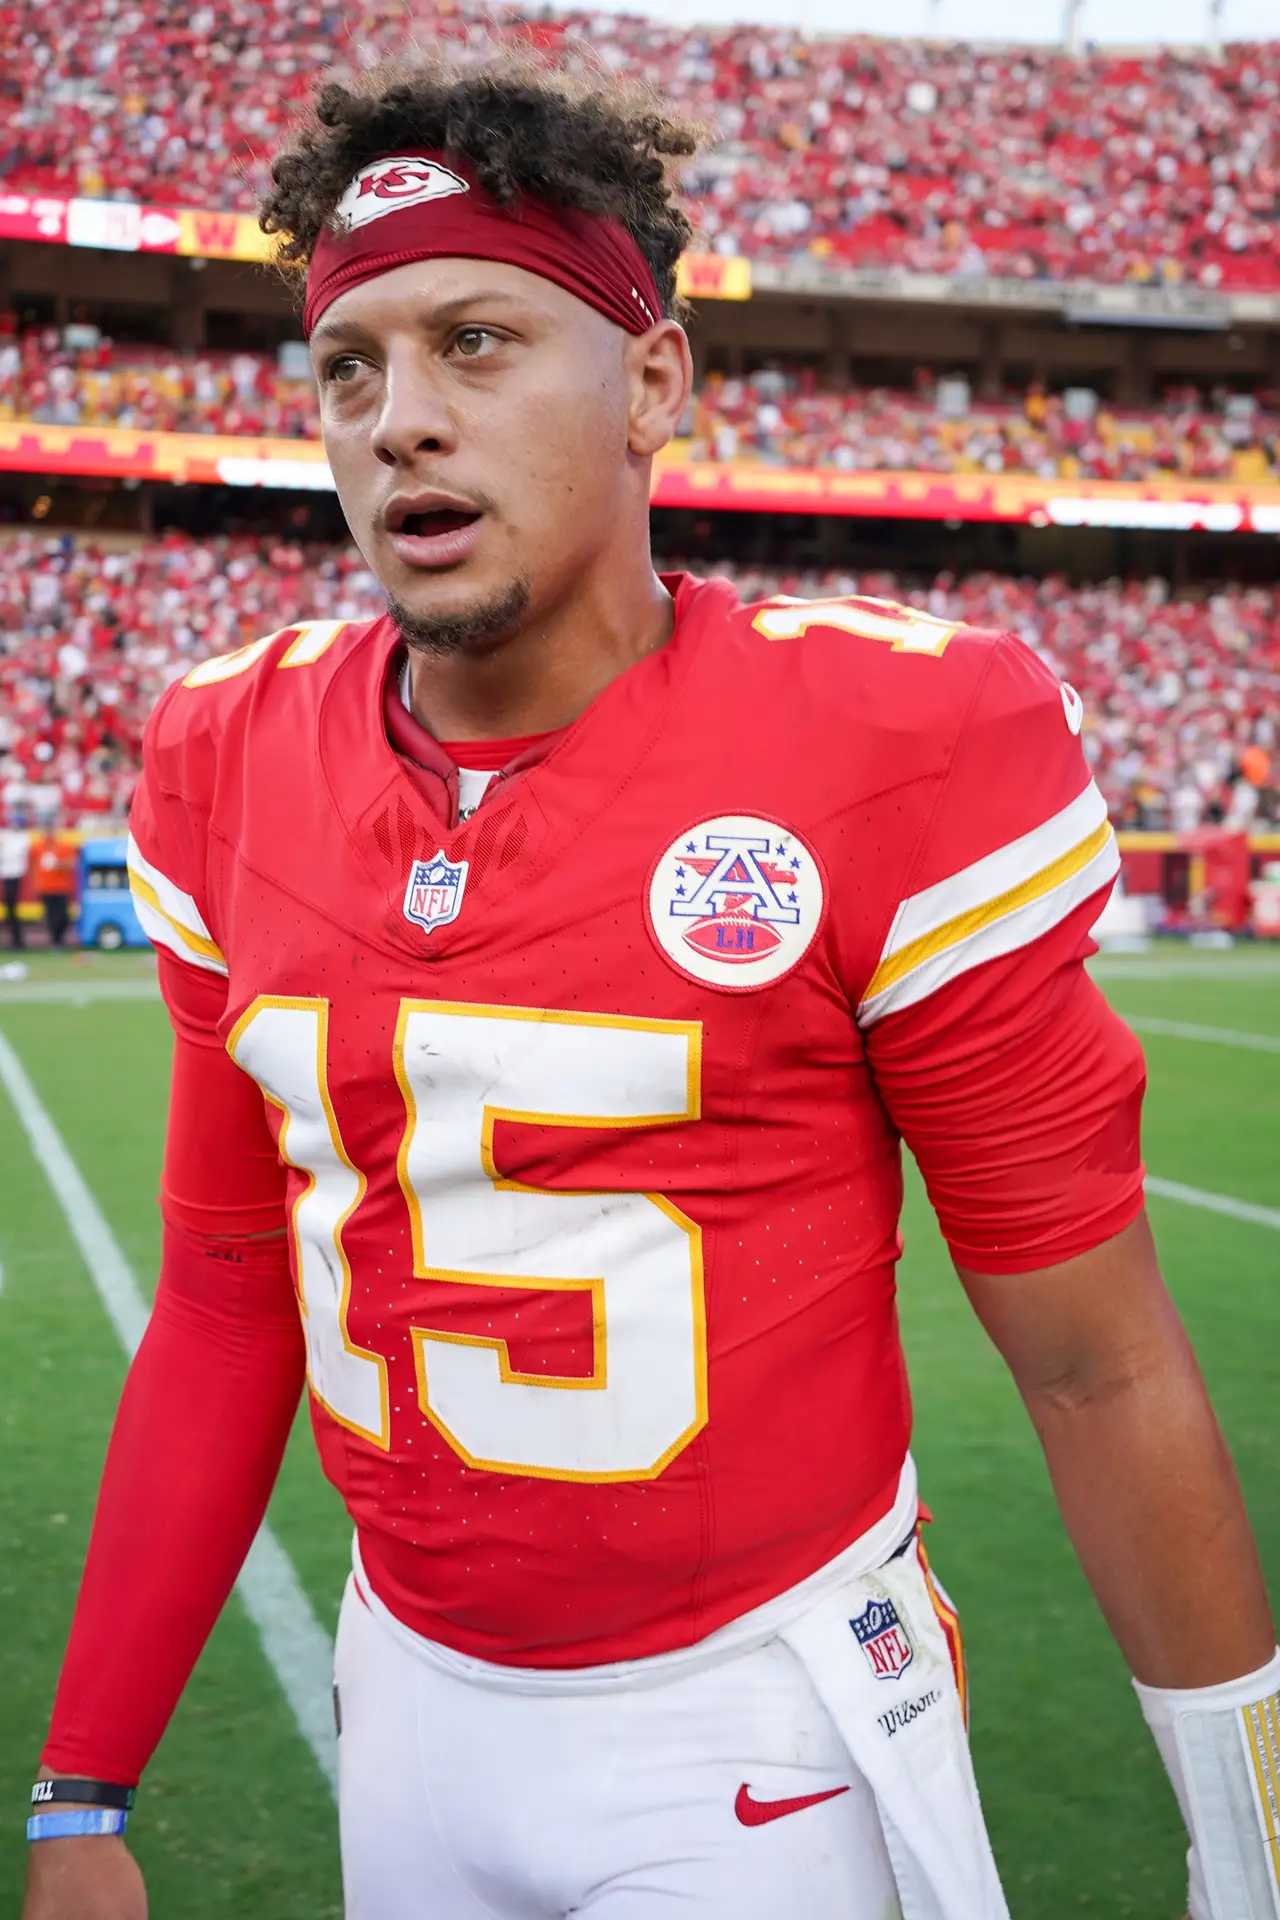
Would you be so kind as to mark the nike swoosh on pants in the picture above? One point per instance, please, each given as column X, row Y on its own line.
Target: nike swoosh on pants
column 756, row 1813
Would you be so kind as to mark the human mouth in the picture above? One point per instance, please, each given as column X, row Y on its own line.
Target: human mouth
column 432, row 532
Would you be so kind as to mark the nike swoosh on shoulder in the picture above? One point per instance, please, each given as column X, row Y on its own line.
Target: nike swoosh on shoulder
column 757, row 1813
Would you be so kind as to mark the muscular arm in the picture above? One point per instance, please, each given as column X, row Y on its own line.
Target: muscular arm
column 1143, row 1478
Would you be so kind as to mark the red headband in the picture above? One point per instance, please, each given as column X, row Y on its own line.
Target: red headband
column 415, row 206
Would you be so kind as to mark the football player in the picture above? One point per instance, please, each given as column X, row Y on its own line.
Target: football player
column 557, row 965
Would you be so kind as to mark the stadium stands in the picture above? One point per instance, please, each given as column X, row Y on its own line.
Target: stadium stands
column 773, row 417
column 1182, row 695
column 89, row 639
column 789, row 422
column 1024, row 163
column 161, row 391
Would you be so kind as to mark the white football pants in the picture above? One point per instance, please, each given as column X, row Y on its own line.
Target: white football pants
column 809, row 1762
column 461, row 1803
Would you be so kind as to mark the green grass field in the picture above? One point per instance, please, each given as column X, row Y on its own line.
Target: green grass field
column 236, row 1820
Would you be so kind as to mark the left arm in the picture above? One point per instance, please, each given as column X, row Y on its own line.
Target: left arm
column 1019, row 1092
column 1143, row 1478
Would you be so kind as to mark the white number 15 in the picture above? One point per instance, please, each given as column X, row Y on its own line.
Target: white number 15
column 460, row 1070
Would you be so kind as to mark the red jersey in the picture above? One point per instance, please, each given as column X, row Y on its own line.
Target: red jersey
column 591, row 1104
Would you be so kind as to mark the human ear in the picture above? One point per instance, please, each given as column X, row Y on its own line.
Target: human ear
column 660, row 374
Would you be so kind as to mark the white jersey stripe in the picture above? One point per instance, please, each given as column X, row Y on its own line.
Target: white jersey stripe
column 165, row 932
column 170, row 899
column 169, row 917
column 1030, row 913
column 996, row 873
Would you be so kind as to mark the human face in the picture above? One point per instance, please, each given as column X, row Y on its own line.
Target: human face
column 489, row 436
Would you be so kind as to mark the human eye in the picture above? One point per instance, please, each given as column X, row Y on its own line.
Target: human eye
column 341, row 369
column 475, row 343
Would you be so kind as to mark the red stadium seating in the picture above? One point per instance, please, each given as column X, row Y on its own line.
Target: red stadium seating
column 1021, row 162
column 1181, row 694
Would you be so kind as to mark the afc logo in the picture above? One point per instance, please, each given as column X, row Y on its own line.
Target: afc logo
column 883, row 1639
column 433, row 896
column 735, row 902
column 398, row 180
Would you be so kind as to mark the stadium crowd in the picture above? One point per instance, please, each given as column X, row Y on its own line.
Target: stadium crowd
column 78, row 377
column 1023, row 162
column 89, row 640
column 776, row 416
column 1182, row 696
column 787, row 420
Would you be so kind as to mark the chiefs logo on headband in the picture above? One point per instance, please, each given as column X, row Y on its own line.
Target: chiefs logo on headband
column 399, row 180
column 594, row 258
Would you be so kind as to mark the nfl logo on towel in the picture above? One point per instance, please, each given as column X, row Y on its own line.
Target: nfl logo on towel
column 433, row 896
column 883, row 1639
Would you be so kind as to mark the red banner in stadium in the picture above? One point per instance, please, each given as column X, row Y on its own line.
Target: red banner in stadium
column 1163, row 503
column 124, row 226
column 123, row 453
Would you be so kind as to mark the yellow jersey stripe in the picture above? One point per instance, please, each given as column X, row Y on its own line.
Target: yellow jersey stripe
column 897, row 965
column 143, row 890
column 162, row 933
column 997, row 872
column 173, row 901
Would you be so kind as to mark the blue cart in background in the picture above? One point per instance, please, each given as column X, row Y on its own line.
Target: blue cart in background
column 107, row 919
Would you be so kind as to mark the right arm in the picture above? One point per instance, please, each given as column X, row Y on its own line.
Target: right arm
column 196, row 1446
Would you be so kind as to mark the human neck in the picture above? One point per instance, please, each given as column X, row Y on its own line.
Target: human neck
column 549, row 671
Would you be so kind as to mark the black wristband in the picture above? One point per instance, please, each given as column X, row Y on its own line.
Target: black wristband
column 90, row 1793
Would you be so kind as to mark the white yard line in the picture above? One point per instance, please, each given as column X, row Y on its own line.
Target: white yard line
column 1214, row 1202
column 75, row 993
column 293, row 1640
column 1247, row 967
column 1213, row 1036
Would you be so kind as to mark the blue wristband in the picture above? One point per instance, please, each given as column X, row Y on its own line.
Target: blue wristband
column 67, row 1826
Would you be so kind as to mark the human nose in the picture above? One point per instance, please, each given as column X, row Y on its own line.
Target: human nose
column 415, row 416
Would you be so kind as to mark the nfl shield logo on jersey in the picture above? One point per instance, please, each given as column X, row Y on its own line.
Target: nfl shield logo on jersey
column 883, row 1639
column 433, row 896
column 735, row 902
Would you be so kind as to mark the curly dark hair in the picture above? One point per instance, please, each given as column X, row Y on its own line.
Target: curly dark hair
column 602, row 147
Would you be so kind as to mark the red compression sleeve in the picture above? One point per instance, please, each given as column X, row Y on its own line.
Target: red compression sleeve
column 194, row 1454
column 222, row 1174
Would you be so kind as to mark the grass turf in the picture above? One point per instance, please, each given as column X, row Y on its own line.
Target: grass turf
column 236, row 1820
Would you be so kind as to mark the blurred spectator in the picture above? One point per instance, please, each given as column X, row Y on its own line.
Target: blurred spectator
column 1182, row 695
column 156, row 389
column 53, row 864
column 785, row 419
column 15, row 858
column 1025, row 162
column 90, row 637
column 777, row 416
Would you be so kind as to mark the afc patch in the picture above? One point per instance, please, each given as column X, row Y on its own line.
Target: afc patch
column 433, row 896
column 883, row 1639
column 735, row 902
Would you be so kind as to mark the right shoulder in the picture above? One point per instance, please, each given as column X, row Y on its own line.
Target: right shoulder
column 261, row 699
column 273, row 683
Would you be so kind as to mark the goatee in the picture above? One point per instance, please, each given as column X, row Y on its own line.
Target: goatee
column 441, row 633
